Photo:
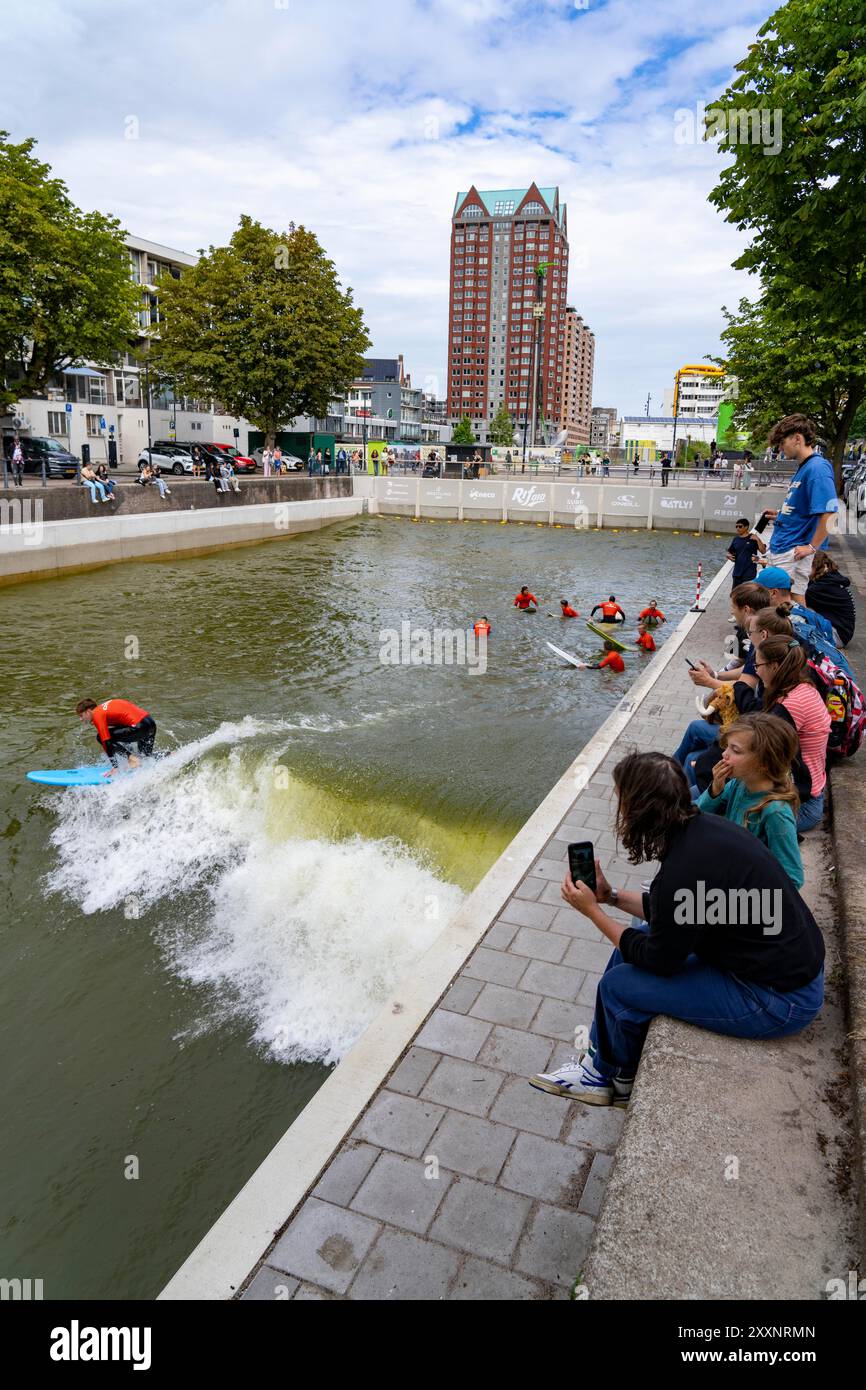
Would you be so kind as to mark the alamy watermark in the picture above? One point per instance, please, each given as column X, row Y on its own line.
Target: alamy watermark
column 438, row 646
column 729, row 907
column 22, row 517
column 752, row 125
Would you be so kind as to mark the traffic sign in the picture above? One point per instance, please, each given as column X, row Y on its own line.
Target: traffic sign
column 68, row 408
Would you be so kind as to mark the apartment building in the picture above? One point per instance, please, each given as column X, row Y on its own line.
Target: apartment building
column 509, row 272
column 578, row 367
column 603, row 427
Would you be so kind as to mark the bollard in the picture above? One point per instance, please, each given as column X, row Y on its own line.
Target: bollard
column 697, row 608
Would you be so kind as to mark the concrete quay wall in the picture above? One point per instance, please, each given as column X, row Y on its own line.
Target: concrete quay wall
column 34, row 548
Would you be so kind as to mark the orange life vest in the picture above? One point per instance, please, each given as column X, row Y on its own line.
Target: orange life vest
column 481, row 629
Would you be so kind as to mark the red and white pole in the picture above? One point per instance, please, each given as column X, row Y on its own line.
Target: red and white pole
column 697, row 608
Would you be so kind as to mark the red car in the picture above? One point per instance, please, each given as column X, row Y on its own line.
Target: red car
column 240, row 462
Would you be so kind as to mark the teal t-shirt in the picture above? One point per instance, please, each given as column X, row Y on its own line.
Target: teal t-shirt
column 775, row 826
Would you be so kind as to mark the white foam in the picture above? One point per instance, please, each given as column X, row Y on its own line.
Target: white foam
column 302, row 938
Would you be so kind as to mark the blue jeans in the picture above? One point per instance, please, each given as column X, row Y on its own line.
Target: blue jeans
column 629, row 998
column 810, row 812
column 698, row 735
column 94, row 489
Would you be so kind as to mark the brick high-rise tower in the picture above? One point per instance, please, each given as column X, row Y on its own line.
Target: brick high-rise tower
column 498, row 240
column 576, row 415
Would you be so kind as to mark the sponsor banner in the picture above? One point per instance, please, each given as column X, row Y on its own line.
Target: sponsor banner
column 396, row 489
column 440, row 492
column 396, row 494
column 725, row 506
column 528, row 498
column 576, row 502
column 674, row 507
column 625, row 502
column 483, row 496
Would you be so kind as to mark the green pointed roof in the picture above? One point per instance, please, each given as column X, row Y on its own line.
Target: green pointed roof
column 491, row 196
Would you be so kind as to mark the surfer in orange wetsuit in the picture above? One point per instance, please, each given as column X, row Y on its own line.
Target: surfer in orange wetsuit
column 567, row 610
column 481, row 628
column 645, row 639
column 612, row 660
column 525, row 600
column 118, row 724
column 610, row 611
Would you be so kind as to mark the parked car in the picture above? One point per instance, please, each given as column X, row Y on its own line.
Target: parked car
column 861, row 497
column 242, row 463
column 291, row 462
column 170, row 456
column 59, row 463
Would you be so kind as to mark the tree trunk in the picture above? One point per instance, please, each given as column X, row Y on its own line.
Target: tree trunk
column 845, row 420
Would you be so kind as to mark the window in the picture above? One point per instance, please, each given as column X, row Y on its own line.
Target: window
column 503, row 207
column 57, row 421
column 471, row 212
column 93, row 426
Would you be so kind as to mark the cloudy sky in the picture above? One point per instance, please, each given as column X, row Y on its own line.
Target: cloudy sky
column 363, row 119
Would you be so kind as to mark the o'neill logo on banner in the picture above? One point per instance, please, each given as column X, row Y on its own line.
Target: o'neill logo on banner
column 528, row 497
column 625, row 499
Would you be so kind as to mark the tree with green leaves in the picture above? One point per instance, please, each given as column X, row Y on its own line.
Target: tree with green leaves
column 781, row 366
column 263, row 326
column 793, row 122
column 66, row 294
column 502, row 427
column 463, row 432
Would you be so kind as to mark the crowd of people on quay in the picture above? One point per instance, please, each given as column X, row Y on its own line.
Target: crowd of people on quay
column 721, row 937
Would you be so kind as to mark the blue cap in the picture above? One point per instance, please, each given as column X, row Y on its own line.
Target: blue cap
column 774, row 577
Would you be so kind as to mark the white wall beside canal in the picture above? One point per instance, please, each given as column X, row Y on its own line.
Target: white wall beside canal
column 32, row 548
column 579, row 504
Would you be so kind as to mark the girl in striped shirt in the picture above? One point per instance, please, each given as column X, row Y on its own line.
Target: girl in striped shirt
column 789, row 693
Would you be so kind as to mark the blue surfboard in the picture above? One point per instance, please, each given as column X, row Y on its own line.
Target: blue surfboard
column 93, row 776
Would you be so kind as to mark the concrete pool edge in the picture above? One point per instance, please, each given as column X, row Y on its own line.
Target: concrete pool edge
column 229, row 1252
column 51, row 549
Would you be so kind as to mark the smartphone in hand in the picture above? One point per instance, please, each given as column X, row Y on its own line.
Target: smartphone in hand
column 581, row 864
column 691, row 664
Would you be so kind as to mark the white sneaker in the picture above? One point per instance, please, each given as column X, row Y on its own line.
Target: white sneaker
column 577, row 1080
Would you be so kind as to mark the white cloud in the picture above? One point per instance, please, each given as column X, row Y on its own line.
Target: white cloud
column 364, row 121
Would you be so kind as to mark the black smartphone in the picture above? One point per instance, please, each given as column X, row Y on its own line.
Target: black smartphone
column 581, row 864
column 692, row 664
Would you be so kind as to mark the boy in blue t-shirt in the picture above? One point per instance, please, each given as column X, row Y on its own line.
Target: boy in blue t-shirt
column 802, row 522
column 742, row 550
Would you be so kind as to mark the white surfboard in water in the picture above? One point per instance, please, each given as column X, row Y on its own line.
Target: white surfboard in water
column 572, row 660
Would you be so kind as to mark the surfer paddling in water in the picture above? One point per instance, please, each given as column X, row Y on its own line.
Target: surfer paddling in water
column 118, row 725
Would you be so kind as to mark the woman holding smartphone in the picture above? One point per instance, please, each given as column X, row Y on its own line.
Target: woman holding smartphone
column 722, row 940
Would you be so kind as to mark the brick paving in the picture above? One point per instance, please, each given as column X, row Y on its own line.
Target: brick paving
column 460, row 1181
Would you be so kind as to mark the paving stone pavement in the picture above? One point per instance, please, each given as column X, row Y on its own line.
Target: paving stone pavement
column 460, row 1181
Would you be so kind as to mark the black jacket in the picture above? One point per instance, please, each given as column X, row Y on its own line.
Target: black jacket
column 713, row 859
column 829, row 596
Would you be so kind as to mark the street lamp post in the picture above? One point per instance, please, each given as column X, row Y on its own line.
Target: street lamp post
column 147, row 392
column 538, row 360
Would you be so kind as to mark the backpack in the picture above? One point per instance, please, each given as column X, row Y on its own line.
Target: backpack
column 816, row 646
column 845, row 705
